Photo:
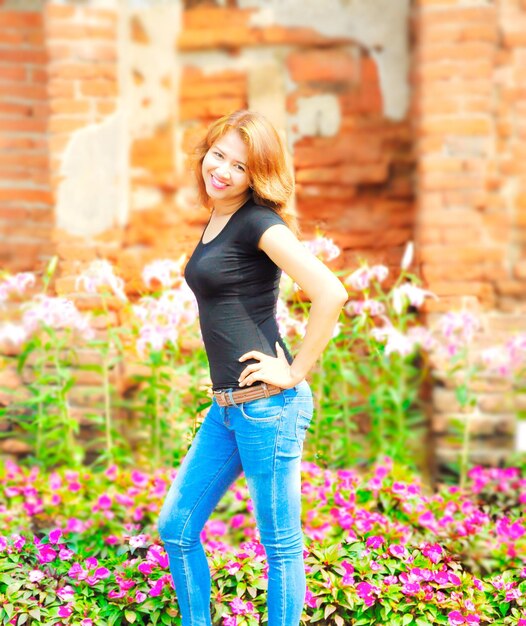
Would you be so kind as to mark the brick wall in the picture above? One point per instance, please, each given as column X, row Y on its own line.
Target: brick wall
column 25, row 198
column 468, row 109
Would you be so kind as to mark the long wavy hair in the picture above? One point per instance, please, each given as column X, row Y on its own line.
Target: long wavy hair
column 271, row 178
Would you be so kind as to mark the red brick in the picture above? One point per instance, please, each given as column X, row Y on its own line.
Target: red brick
column 61, row 89
column 345, row 174
column 66, row 124
column 457, row 126
column 20, row 19
column 13, row 73
column 330, row 65
column 78, row 71
column 17, row 55
column 99, row 88
column 452, row 254
column 22, row 90
column 211, row 108
column 40, row 196
column 69, row 106
column 24, row 125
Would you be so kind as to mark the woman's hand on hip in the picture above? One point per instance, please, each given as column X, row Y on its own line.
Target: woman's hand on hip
column 269, row 369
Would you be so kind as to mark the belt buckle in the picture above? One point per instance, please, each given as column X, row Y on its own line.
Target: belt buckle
column 266, row 392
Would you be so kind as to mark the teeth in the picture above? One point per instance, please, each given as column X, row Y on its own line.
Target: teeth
column 217, row 182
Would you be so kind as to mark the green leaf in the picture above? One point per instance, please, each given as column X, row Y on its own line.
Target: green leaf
column 503, row 608
column 35, row 613
column 131, row 616
column 407, row 619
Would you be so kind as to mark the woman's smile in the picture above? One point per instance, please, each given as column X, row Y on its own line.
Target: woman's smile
column 225, row 172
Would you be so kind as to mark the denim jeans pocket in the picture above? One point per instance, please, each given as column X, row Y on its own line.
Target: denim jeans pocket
column 263, row 409
column 303, row 421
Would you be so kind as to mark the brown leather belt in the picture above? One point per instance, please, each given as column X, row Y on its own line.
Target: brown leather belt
column 253, row 392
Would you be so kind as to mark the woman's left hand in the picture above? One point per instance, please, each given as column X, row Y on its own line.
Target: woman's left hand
column 271, row 370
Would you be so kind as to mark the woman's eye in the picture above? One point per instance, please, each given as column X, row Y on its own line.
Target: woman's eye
column 218, row 154
column 240, row 168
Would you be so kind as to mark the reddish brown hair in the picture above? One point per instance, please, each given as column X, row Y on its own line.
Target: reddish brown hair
column 270, row 176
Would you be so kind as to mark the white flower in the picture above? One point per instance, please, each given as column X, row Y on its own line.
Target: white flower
column 409, row 294
column 361, row 278
column 17, row 283
column 408, row 256
column 100, row 274
column 162, row 318
column 423, row 337
column 57, row 313
column 165, row 271
column 496, row 359
column 395, row 340
column 13, row 334
column 361, row 307
column 287, row 324
column 322, row 247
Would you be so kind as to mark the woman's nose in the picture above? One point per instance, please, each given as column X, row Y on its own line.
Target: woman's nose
column 224, row 170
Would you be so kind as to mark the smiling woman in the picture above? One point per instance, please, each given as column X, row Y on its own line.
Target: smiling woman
column 262, row 404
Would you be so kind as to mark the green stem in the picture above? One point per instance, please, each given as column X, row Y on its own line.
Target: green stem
column 347, row 418
column 156, row 419
column 318, row 404
column 466, row 440
column 107, row 408
column 64, row 408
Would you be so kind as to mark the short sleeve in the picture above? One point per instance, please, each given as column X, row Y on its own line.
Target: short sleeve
column 258, row 220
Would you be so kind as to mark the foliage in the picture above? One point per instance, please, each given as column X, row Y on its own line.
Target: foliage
column 82, row 548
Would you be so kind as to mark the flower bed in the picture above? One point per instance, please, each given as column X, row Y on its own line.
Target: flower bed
column 82, row 548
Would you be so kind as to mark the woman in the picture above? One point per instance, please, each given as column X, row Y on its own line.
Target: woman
column 262, row 404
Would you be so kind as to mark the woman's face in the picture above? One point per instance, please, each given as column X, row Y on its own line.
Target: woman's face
column 224, row 170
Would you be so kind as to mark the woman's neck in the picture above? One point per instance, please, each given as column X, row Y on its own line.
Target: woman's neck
column 228, row 207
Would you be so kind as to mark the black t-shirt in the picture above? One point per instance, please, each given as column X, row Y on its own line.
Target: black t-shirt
column 236, row 286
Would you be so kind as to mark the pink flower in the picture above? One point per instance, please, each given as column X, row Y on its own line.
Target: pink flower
column 35, row 575
column 140, row 597
column 145, row 568
column 91, row 561
column 311, row 600
column 138, row 541
column 433, row 552
column 229, row 620
column 102, row 572
column 46, row 554
column 238, row 607
column 66, row 593
column 157, row 588
column 374, row 541
column 64, row 611
column 86, row 622
column 104, row 502
column 455, row 618
column 55, row 535
column 397, row 550
column 232, row 567
column 65, row 554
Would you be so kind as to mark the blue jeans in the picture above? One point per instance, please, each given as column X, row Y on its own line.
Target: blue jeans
column 264, row 439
